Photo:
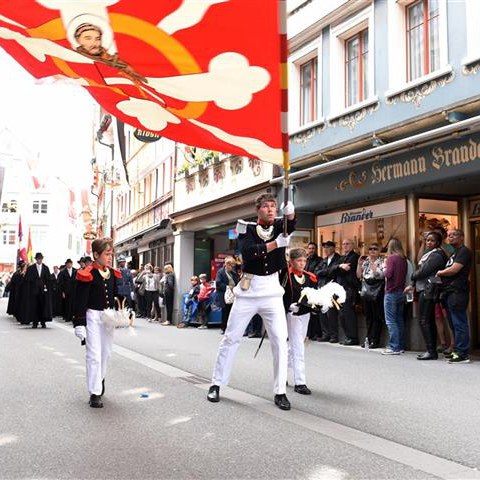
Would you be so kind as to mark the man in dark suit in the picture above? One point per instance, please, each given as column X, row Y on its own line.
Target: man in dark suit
column 56, row 293
column 67, row 288
column 325, row 273
column 38, row 294
column 346, row 275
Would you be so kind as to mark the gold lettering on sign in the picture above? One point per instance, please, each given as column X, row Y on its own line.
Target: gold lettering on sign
column 448, row 157
column 406, row 168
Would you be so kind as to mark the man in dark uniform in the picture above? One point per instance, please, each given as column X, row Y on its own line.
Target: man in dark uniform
column 38, row 294
column 67, row 289
column 262, row 246
column 315, row 331
column 325, row 273
column 56, row 293
column 346, row 275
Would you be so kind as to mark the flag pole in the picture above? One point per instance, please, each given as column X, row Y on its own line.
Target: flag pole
column 282, row 5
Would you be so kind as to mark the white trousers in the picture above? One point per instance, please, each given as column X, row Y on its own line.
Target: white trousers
column 99, row 349
column 273, row 314
column 297, row 331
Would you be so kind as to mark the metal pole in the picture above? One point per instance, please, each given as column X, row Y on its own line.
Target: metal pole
column 111, row 192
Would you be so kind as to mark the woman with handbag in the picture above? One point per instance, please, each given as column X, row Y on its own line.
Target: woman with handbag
column 226, row 279
column 370, row 273
column 423, row 281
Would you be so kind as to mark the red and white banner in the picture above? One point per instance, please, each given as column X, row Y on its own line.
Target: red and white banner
column 201, row 72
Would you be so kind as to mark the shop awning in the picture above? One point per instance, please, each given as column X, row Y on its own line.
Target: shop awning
column 161, row 229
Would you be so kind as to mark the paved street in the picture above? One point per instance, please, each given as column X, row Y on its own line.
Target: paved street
column 370, row 416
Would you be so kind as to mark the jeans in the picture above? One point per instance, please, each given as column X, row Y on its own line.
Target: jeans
column 457, row 317
column 393, row 304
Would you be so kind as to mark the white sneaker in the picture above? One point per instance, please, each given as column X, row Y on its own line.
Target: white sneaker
column 388, row 351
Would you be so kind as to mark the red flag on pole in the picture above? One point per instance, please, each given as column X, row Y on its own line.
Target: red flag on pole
column 202, row 72
column 21, row 252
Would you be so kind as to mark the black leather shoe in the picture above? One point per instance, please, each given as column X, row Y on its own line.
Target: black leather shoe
column 96, row 401
column 428, row 356
column 103, row 388
column 281, row 401
column 333, row 340
column 213, row 394
column 349, row 342
column 43, row 325
column 303, row 389
column 324, row 338
column 35, row 325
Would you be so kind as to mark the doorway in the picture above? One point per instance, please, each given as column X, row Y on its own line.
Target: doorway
column 475, row 281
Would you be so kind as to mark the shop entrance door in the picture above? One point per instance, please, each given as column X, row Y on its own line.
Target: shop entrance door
column 475, row 281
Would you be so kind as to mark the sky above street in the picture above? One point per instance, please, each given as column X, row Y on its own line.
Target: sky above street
column 52, row 119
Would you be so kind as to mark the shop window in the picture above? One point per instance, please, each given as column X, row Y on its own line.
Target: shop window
column 356, row 68
column 308, row 91
column 365, row 225
column 437, row 213
column 423, row 38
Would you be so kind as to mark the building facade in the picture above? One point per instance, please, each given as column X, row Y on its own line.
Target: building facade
column 384, row 122
column 48, row 208
column 143, row 205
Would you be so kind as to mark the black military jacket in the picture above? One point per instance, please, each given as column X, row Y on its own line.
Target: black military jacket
column 94, row 292
column 253, row 248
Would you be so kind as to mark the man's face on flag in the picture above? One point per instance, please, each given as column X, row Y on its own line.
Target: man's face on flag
column 91, row 41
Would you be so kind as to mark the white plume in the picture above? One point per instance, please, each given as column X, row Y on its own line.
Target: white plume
column 325, row 297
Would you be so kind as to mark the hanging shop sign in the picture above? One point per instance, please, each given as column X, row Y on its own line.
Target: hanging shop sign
column 145, row 136
column 89, row 235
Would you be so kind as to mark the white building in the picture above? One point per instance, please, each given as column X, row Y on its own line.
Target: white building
column 48, row 208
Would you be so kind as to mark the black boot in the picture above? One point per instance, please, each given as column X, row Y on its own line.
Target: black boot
column 44, row 325
column 96, row 401
column 35, row 325
column 281, row 401
column 213, row 394
column 430, row 342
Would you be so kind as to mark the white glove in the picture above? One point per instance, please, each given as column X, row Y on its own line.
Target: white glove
column 294, row 308
column 132, row 295
column 287, row 209
column 282, row 241
column 80, row 332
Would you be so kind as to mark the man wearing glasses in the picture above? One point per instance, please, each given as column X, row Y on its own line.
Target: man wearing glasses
column 455, row 286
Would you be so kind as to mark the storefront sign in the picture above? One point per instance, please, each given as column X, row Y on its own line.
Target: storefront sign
column 398, row 174
column 424, row 163
column 387, row 209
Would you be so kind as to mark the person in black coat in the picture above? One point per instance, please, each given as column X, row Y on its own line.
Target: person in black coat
column 433, row 260
column 313, row 260
column 168, row 292
column 346, row 275
column 227, row 277
column 37, row 301
column 294, row 280
column 56, row 292
column 95, row 298
column 325, row 273
column 12, row 289
column 67, row 288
